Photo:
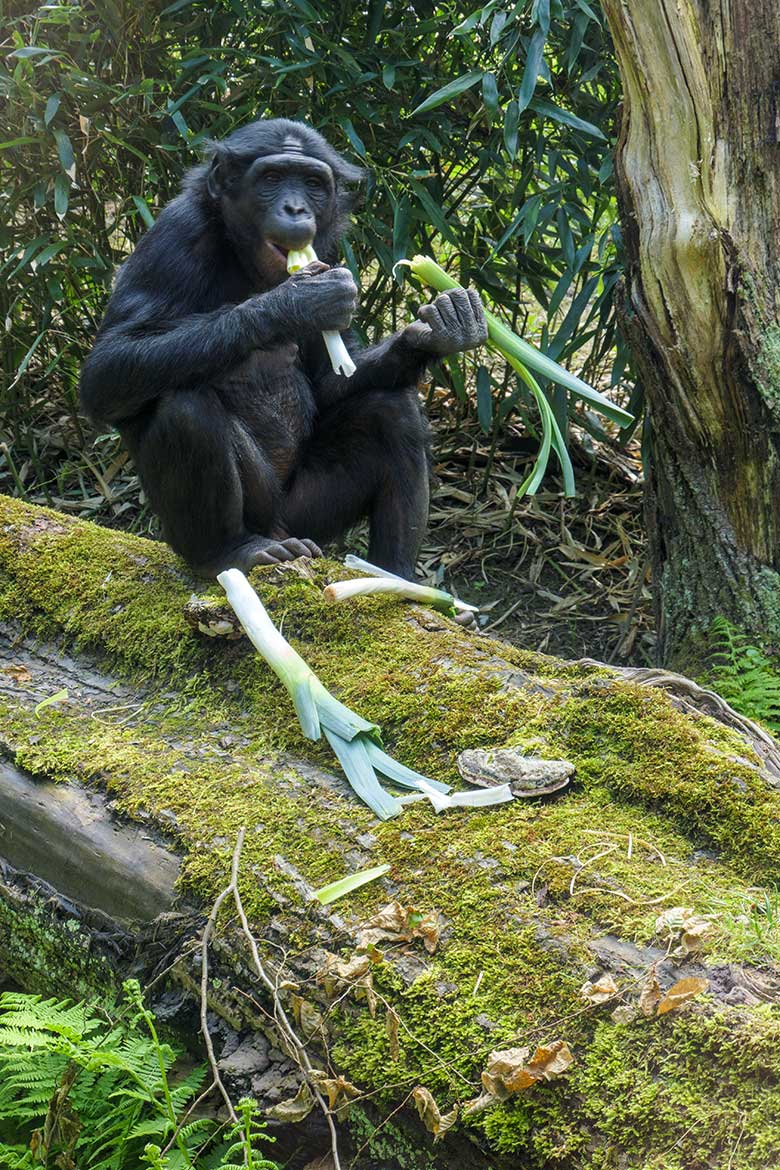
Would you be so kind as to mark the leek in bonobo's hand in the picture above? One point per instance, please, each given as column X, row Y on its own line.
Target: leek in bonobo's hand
column 337, row 351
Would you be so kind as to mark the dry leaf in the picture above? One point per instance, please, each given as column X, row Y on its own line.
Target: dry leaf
column 297, row 1108
column 18, row 672
column 433, row 1120
column 600, row 991
column 391, row 1027
column 510, row 1071
column 625, row 1013
column 355, row 973
column 650, row 995
column 502, row 1066
column 683, row 926
column 308, row 1018
column 680, row 993
column 338, row 1091
column 401, row 924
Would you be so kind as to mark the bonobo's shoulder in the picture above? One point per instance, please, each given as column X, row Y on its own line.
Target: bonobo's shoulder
column 176, row 260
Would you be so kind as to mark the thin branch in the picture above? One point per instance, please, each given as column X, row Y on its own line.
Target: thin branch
column 204, row 980
column 296, row 1047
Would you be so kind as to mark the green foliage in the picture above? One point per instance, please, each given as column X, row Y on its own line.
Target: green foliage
column 87, row 1090
column 484, row 133
column 744, row 674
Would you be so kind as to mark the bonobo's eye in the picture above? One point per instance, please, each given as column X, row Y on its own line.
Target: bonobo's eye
column 270, row 179
column 314, row 183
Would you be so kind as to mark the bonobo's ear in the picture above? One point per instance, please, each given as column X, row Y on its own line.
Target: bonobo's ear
column 223, row 171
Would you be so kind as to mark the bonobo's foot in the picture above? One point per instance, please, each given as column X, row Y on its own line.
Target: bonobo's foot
column 263, row 551
column 260, row 550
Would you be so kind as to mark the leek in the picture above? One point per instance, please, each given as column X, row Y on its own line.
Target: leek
column 523, row 358
column 356, row 742
column 436, row 598
column 338, row 353
column 391, row 583
column 346, row 885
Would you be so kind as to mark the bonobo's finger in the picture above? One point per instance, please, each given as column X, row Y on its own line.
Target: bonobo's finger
column 314, row 549
column 419, row 334
column 297, row 547
column 313, row 268
column 479, row 315
column 446, row 310
column 427, row 313
column 279, row 552
column 459, row 299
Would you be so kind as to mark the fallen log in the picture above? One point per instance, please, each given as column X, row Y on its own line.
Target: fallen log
column 586, row 979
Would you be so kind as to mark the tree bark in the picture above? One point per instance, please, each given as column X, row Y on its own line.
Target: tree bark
column 698, row 170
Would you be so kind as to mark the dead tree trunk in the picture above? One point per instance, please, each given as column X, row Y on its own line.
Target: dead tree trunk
column 138, row 747
column 698, row 167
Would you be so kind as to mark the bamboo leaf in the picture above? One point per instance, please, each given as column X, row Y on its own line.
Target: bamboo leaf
column 452, row 90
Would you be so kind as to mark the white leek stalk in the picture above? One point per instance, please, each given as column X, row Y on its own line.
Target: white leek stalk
column 472, row 798
column 338, row 353
column 356, row 742
column 398, row 587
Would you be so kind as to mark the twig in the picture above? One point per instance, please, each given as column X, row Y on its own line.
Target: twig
column 204, row 983
column 295, row 1045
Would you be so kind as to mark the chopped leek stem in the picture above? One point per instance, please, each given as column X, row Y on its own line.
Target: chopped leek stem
column 435, row 597
column 339, row 355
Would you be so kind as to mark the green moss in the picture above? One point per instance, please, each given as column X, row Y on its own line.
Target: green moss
column 523, row 889
column 767, row 367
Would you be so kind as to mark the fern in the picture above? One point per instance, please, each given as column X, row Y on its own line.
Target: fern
column 101, row 1090
column 744, row 674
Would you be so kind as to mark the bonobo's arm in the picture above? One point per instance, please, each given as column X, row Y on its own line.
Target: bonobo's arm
column 455, row 321
column 140, row 354
column 135, row 360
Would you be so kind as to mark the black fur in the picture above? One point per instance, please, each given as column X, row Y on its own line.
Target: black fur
column 210, row 362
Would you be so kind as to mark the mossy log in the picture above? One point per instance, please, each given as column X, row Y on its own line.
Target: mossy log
column 173, row 740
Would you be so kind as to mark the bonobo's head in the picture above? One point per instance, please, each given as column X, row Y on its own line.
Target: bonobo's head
column 277, row 186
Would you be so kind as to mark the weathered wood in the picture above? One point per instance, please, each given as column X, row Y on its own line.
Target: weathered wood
column 698, row 168
column 192, row 738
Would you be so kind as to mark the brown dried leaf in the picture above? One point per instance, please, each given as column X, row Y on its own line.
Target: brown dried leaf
column 309, row 1019
column 651, row 994
column 391, row 1027
column 689, row 930
column 600, row 991
column 681, row 992
column 297, row 1108
column 401, row 924
column 625, row 1013
column 354, row 973
column 338, row 1091
column 434, row 1121
column 501, row 1067
column 510, row 1071
column 17, row 671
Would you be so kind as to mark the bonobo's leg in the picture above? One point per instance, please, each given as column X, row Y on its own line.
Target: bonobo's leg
column 211, row 486
column 368, row 456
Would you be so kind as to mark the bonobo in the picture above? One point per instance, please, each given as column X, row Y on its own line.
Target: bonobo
column 211, row 364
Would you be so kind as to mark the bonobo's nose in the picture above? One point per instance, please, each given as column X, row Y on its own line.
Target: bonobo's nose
column 295, row 210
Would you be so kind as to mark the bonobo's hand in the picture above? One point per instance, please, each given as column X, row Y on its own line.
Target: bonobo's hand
column 314, row 299
column 454, row 322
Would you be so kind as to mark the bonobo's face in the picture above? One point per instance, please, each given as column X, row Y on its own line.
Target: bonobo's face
column 276, row 204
